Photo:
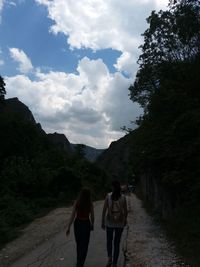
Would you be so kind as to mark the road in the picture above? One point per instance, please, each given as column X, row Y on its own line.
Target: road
column 60, row 251
column 43, row 243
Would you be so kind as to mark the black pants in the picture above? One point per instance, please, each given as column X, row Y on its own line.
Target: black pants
column 82, row 237
column 117, row 233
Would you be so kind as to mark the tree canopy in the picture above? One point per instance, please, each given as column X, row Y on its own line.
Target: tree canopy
column 166, row 145
column 2, row 88
column 173, row 37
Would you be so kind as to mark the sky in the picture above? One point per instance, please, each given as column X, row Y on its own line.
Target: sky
column 72, row 62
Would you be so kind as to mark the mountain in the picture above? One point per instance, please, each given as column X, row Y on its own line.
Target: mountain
column 116, row 158
column 89, row 152
column 60, row 141
column 20, row 135
column 13, row 105
column 37, row 170
column 92, row 153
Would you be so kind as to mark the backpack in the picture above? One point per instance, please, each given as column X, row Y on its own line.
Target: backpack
column 116, row 210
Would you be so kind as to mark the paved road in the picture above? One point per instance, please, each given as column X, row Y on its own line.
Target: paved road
column 60, row 251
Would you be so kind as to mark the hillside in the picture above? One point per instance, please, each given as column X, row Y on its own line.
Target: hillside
column 90, row 153
column 61, row 142
column 116, row 159
column 38, row 171
column 15, row 106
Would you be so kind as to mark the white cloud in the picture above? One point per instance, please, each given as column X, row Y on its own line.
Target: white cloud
column 89, row 107
column 101, row 24
column 1, row 4
column 25, row 65
column 126, row 63
column 12, row 3
column 1, row 7
column 1, row 60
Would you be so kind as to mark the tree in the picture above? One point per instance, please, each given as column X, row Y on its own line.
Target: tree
column 2, row 89
column 173, row 36
column 166, row 145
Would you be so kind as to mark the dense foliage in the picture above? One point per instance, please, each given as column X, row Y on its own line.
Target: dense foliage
column 167, row 141
column 35, row 175
column 2, row 89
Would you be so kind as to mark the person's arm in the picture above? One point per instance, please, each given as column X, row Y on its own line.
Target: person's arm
column 105, row 207
column 71, row 219
column 92, row 216
column 125, row 210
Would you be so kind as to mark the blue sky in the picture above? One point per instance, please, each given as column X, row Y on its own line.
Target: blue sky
column 71, row 62
column 26, row 26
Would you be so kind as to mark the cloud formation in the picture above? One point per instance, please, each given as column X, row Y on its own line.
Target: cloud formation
column 1, row 4
column 1, row 60
column 25, row 65
column 89, row 107
column 101, row 24
column 1, row 7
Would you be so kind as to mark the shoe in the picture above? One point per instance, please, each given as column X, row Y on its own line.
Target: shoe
column 114, row 265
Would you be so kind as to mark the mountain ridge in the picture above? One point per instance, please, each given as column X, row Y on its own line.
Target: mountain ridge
column 14, row 105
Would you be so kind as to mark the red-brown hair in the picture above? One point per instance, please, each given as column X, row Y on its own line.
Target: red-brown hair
column 84, row 200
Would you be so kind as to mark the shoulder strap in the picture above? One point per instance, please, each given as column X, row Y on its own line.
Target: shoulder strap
column 109, row 199
column 123, row 198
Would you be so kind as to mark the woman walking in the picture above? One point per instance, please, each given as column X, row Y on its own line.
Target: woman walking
column 114, row 217
column 83, row 218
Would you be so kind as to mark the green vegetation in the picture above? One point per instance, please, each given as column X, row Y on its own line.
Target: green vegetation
column 36, row 176
column 166, row 144
column 2, row 89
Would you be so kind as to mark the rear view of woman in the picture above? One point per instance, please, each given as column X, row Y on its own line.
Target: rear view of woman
column 83, row 218
column 114, row 217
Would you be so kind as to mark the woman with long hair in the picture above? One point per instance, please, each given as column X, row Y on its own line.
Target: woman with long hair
column 83, row 218
column 114, row 218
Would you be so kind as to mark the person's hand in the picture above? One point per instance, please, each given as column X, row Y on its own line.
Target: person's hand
column 103, row 226
column 67, row 231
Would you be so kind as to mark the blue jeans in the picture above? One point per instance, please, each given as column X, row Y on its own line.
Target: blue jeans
column 116, row 233
column 82, row 237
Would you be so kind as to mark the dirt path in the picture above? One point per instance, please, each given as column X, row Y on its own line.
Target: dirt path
column 147, row 245
column 44, row 244
column 39, row 231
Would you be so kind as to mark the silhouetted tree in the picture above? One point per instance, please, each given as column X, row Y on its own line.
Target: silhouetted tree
column 166, row 145
column 2, row 89
column 167, row 87
column 173, row 36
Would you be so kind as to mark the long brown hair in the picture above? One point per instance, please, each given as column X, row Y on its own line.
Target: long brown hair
column 116, row 190
column 84, row 200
